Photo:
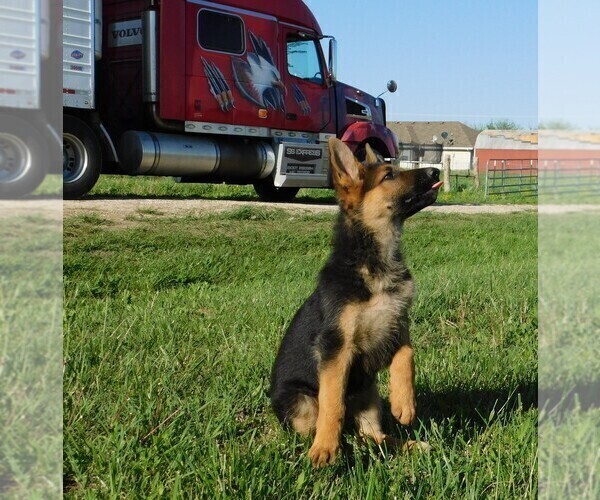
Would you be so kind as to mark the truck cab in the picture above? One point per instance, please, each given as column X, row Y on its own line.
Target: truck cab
column 234, row 91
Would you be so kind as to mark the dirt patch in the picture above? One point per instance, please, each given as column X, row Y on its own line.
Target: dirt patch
column 47, row 208
column 120, row 209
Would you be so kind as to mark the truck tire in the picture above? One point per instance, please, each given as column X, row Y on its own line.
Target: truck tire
column 22, row 158
column 82, row 158
column 267, row 191
column 361, row 152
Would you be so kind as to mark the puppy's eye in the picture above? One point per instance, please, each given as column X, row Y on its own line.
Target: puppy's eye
column 389, row 176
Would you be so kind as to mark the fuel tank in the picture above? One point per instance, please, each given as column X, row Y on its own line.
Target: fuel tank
column 206, row 159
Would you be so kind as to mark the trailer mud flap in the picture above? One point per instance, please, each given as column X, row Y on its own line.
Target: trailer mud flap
column 302, row 165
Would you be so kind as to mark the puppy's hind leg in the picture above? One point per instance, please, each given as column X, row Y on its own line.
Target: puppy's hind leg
column 365, row 410
column 304, row 415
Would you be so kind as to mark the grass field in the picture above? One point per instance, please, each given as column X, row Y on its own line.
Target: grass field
column 172, row 324
column 30, row 356
column 124, row 186
column 569, row 355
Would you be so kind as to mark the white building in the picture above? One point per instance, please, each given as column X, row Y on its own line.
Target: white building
column 430, row 143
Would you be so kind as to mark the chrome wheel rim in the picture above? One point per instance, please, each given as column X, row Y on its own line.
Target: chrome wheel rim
column 75, row 158
column 15, row 158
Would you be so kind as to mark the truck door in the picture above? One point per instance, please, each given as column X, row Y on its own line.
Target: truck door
column 308, row 101
column 233, row 69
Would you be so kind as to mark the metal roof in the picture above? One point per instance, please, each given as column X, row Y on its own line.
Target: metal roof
column 569, row 139
column 507, row 139
column 447, row 134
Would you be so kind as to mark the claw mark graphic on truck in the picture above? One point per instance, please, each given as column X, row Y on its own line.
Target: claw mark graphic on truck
column 301, row 99
column 218, row 86
column 257, row 78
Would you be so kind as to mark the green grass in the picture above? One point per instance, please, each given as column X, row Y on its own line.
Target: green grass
column 165, row 187
column 569, row 355
column 30, row 357
column 123, row 186
column 172, row 325
column 50, row 186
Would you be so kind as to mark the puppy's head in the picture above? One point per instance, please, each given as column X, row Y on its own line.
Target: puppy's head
column 379, row 193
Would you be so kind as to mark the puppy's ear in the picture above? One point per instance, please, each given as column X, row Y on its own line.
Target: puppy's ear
column 347, row 174
column 371, row 156
column 345, row 168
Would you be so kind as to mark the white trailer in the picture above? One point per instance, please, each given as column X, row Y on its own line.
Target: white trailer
column 79, row 52
column 24, row 131
column 20, row 53
column 82, row 47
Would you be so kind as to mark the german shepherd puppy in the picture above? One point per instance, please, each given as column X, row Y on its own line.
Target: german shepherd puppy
column 356, row 321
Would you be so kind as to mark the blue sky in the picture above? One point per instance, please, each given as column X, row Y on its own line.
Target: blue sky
column 467, row 60
column 569, row 62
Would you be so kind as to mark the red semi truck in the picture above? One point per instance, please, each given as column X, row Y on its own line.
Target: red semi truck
column 234, row 91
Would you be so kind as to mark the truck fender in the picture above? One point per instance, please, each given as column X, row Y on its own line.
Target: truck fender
column 382, row 138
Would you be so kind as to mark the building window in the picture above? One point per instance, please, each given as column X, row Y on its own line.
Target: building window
column 221, row 32
column 303, row 60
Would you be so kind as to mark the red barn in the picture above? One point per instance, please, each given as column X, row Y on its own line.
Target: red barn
column 513, row 146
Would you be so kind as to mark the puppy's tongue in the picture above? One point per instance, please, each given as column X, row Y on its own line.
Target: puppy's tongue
column 437, row 185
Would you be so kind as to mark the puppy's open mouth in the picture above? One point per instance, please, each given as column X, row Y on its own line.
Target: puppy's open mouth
column 420, row 200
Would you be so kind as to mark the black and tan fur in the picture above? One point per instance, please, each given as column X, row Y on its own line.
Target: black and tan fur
column 356, row 321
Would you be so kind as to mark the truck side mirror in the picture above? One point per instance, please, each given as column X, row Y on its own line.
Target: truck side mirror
column 392, row 86
column 333, row 59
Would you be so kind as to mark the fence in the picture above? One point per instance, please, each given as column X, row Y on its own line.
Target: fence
column 580, row 177
column 518, row 176
column 447, row 171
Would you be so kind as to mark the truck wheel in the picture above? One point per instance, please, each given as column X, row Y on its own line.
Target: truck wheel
column 82, row 158
column 22, row 165
column 267, row 191
column 361, row 153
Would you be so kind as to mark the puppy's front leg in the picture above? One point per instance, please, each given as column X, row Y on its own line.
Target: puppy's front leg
column 402, row 385
column 333, row 377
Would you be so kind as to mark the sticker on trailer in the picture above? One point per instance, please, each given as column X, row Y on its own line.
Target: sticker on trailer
column 18, row 54
column 125, row 33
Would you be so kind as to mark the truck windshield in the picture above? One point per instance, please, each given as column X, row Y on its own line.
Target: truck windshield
column 303, row 60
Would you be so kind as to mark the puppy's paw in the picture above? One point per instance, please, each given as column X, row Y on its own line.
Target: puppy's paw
column 405, row 410
column 323, row 453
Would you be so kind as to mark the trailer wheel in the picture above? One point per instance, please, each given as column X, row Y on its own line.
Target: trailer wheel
column 82, row 158
column 267, row 191
column 22, row 159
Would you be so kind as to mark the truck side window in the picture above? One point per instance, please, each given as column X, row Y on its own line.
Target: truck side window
column 220, row 32
column 303, row 60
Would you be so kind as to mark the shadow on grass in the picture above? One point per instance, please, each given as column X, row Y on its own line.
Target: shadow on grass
column 469, row 410
column 466, row 411
column 584, row 396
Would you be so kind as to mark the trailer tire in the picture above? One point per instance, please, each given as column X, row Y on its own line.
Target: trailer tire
column 267, row 191
column 22, row 158
column 82, row 158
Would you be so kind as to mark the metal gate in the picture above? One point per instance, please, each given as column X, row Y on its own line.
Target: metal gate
column 579, row 177
column 506, row 176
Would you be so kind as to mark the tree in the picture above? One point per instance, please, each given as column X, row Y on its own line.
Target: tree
column 555, row 125
column 502, row 124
